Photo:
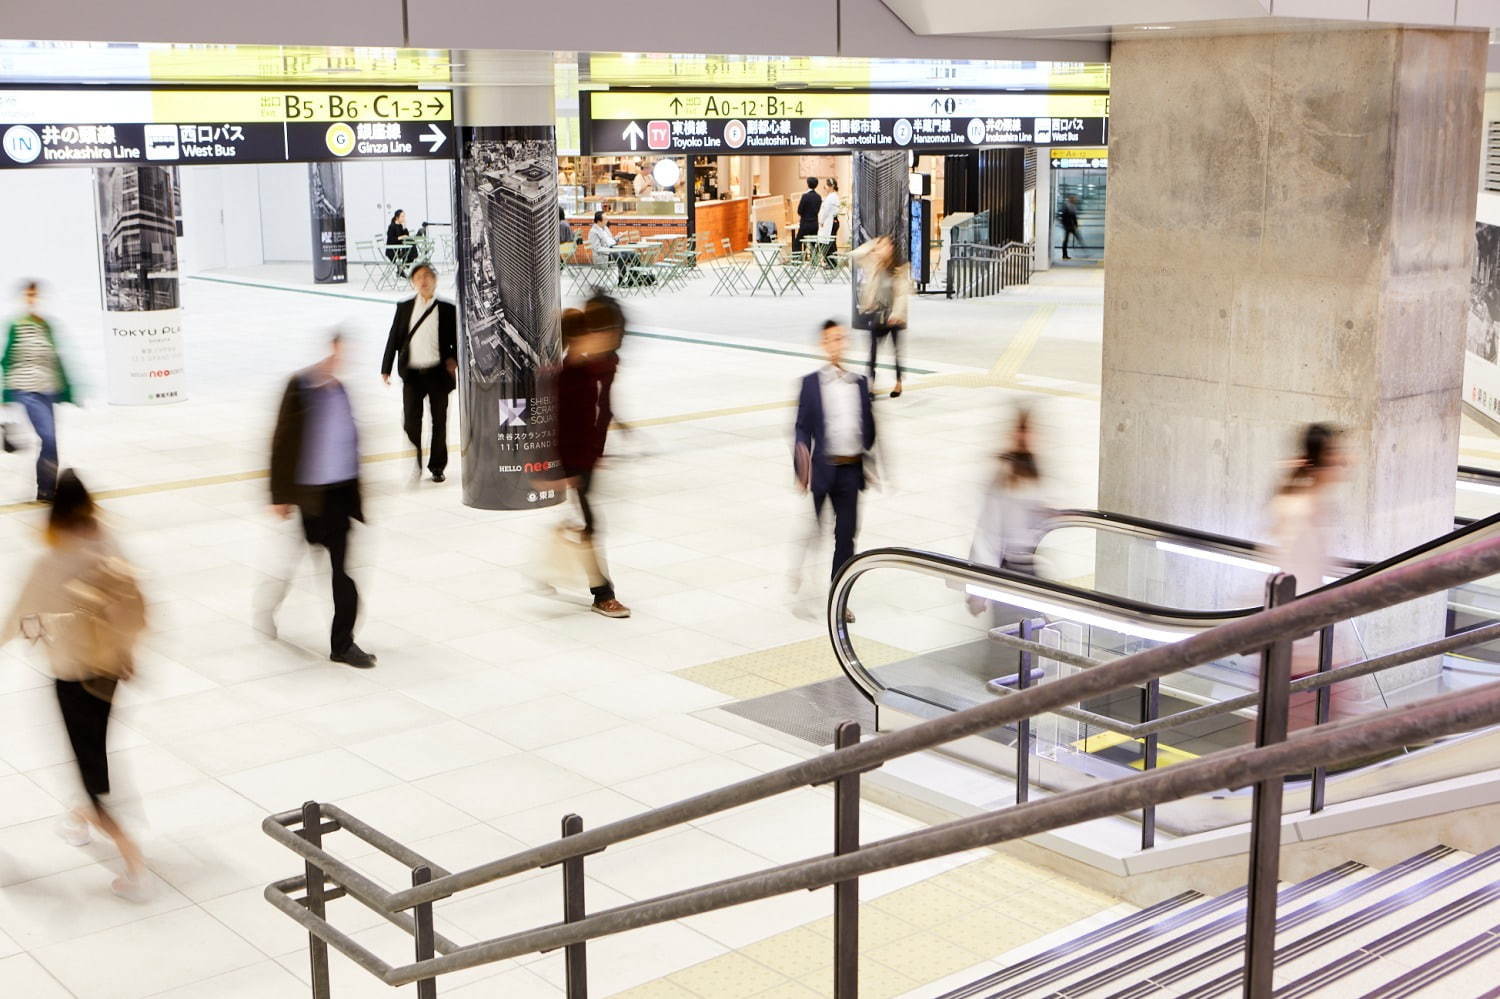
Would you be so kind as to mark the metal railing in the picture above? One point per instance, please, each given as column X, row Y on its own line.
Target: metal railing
column 978, row 269
column 326, row 877
column 1062, row 601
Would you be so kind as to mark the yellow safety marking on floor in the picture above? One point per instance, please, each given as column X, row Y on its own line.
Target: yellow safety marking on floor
column 1165, row 755
column 786, row 667
column 934, row 381
column 908, row 938
column 1008, row 365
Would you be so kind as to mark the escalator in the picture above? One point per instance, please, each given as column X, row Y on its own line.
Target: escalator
column 942, row 630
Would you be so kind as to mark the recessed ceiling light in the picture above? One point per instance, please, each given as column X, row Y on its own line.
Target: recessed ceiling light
column 1155, row 27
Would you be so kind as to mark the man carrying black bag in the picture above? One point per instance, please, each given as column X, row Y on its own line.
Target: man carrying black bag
column 423, row 347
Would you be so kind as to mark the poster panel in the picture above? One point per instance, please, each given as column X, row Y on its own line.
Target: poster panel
column 329, row 242
column 144, row 349
column 879, row 207
column 509, row 273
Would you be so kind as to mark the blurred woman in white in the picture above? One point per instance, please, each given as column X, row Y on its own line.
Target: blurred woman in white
column 1303, row 511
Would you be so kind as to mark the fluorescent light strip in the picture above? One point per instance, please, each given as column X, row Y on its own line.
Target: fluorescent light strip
column 1477, row 487
column 1066, row 613
column 1212, row 556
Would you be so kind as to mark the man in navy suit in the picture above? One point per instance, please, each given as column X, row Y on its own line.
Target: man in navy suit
column 835, row 432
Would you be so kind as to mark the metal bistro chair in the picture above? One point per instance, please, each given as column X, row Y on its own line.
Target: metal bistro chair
column 602, row 272
column 642, row 274
column 729, row 271
column 575, row 272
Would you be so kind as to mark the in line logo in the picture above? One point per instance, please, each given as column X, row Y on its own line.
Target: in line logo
column 21, row 143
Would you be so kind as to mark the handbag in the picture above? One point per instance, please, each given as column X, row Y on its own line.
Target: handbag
column 106, row 615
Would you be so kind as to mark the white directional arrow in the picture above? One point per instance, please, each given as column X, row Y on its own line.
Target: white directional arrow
column 633, row 133
column 434, row 138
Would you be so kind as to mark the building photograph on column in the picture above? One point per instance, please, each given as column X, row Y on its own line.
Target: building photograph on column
column 509, row 271
column 138, row 236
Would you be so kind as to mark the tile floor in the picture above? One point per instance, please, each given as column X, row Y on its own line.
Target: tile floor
column 496, row 708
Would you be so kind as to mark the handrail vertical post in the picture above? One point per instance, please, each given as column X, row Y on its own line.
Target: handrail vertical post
column 1325, row 702
column 576, row 961
column 1265, row 821
column 1024, row 659
column 317, row 950
column 846, row 893
column 424, row 938
column 1150, row 709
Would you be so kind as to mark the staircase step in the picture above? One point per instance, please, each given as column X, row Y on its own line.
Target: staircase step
column 1174, row 934
column 1205, row 966
column 1051, row 955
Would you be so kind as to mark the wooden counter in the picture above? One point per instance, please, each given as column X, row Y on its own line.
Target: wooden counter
column 717, row 221
column 645, row 225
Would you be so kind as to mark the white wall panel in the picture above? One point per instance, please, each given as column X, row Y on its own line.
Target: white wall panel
column 203, row 243
column 242, row 238
column 284, row 199
column 52, row 234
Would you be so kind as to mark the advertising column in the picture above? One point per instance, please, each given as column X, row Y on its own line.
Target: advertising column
column 137, row 216
column 878, row 207
column 326, row 198
column 508, row 280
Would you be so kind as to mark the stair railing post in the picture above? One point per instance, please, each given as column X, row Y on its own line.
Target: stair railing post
column 1150, row 710
column 424, row 936
column 317, row 950
column 1265, row 820
column 846, row 893
column 1325, row 703
column 1024, row 660
column 576, row 962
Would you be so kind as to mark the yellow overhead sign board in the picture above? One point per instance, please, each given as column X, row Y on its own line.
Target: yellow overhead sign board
column 618, row 105
column 302, row 105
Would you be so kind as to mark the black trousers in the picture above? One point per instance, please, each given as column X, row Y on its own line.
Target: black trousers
column 327, row 524
column 584, row 478
column 1070, row 234
column 877, row 334
column 86, row 718
column 843, row 494
column 433, row 386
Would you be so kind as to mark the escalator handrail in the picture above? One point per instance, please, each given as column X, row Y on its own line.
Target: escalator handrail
column 1128, row 614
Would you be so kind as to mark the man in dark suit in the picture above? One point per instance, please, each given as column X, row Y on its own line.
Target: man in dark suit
column 315, row 471
column 423, row 347
column 807, row 212
column 835, row 432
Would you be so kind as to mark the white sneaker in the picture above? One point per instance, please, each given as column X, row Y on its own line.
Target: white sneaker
column 136, row 889
column 73, row 831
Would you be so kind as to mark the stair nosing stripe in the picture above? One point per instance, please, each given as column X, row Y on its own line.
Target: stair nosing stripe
column 1420, row 977
column 1385, row 907
column 1125, row 923
column 1230, row 899
column 1219, row 952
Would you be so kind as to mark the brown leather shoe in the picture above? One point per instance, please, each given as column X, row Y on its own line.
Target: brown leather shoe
column 610, row 608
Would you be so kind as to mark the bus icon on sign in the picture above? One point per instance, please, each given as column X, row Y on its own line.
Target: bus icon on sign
column 659, row 134
column 21, row 143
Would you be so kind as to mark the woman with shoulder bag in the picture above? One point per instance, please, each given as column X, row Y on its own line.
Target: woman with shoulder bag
column 882, row 299
column 82, row 602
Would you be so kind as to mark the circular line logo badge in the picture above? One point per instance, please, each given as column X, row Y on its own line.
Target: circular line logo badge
column 734, row 133
column 976, row 130
column 340, row 139
column 21, row 143
column 901, row 131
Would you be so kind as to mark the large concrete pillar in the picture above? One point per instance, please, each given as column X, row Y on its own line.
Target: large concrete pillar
column 508, row 279
column 1289, row 227
column 1289, row 230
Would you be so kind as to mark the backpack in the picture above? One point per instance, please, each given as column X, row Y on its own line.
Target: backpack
column 107, row 616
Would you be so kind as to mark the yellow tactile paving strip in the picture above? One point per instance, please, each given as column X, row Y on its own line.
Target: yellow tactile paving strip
column 908, row 938
column 771, row 671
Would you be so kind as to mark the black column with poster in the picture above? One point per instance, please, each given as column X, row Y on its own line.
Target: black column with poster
column 878, row 207
column 508, row 278
column 329, row 241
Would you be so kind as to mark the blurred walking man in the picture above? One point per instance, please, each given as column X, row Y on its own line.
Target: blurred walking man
column 315, row 470
column 835, row 432
column 423, row 347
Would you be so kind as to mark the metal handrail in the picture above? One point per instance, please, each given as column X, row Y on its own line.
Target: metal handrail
column 1274, row 629
column 978, row 269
